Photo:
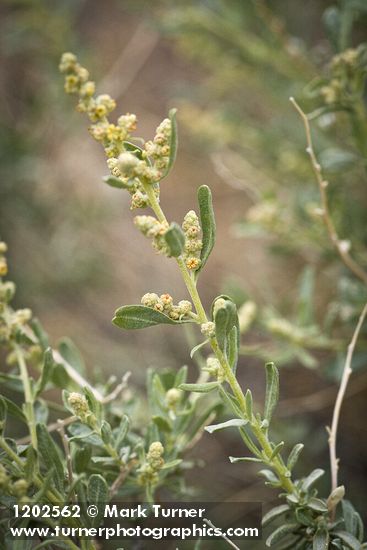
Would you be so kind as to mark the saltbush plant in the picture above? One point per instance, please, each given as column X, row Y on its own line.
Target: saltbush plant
column 102, row 452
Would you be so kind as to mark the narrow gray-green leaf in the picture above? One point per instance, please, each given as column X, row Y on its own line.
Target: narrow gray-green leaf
column 280, row 533
column 173, row 142
column 207, row 221
column 199, row 388
column 97, row 493
column 122, row 431
column 112, row 181
column 348, row 539
column 48, row 364
column 14, row 410
column 293, row 456
column 311, row 479
column 272, row 390
column 162, row 424
column 235, row 459
column 137, row 316
column 171, row 464
column 275, row 513
column 321, row 539
column 317, row 505
column 249, row 404
column 269, row 476
column 196, row 348
column 276, row 450
column 234, row 423
column 3, row 409
column 175, row 240
column 50, row 455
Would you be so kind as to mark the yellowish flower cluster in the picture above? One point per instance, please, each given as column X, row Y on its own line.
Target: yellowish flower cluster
column 214, row 368
column 193, row 243
column 148, row 473
column 152, row 228
column 164, row 304
column 129, row 163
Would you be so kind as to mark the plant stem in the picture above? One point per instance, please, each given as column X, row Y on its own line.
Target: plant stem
column 341, row 246
column 29, row 401
column 258, row 432
column 338, row 403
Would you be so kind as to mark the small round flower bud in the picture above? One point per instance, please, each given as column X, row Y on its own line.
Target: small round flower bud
column 167, row 301
column 193, row 263
column 155, row 453
column 3, row 247
column 150, row 299
column 185, row 307
column 127, row 163
column 79, row 405
column 67, row 62
column 173, row 396
column 208, row 329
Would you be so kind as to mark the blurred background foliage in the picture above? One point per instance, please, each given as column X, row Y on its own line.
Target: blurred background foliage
column 230, row 67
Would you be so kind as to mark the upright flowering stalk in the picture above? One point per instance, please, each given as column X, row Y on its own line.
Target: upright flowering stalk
column 140, row 169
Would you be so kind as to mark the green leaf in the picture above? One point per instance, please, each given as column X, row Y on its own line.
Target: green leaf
column 199, row 388
column 181, row 376
column 106, row 432
column 81, row 459
column 269, row 476
column 173, row 142
column 162, row 424
column 94, row 405
column 348, row 539
column 352, row 520
column 234, row 423
column 48, row 365
column 117, row 183
column 249, row 404
column 226, row 319
column 317, row 505
column 69, row 351
column 276, row 450
column 275, row 513
column 311, row 479
column 171, row 464
column 97, row 493
column 249, row 443
column 272, row 390
column 122, row 431
column 14, row 410
column 196, row 348
column 50, row 455
column 3, row 409
column 207, row 221
column 175, row 240
column 294, row 455
column 30, row 464
column 235, row 459
column 321, row 539
column 137, row 316
column 280, row 533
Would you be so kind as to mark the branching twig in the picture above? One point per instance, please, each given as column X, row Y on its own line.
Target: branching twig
column 342, row 246
column 65, row 443
column 70, row 419
column 339, row 400
column 224, row 537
